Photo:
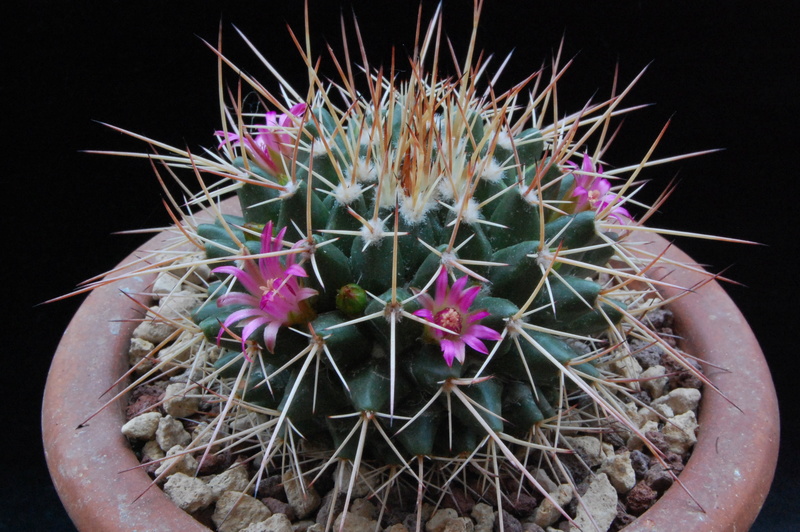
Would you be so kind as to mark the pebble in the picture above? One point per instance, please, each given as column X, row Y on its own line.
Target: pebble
column 656, row 412
column 170, row 432
column 142, row 427
column 544, row 479
column 460, row 524
column 647, row 356
column 151, row 451
column 521, row 504
column 179, row 352
column 165, row 284
column 197, row 273
column 177, row 461
column 654, row 380
column 681, row 377
column 640, row 498
column 679, row 433
column 272, row 486
column 657, row 440
column 354, row 523
column 303, row 500
column 332, row 503
column 274, row 523
column 635, row 443
column 146, row 398
column 510, row 523
column 360, row 487
column 631, row 411
column 531, row 527
column 364, row 508
column 178, row 306
column 280, row 507
column 483, row 514
column 620, row 471
column 600, row 501
column 589, row 448
column 188, row 493
column 201, row 434
column 658, row 478
column 640, row 462
column 233, row 479
column 547, row 513
column 301, row 526
column 681, row 400
column 626, row 366
column 462, row 502
column 236, row 510
column 138, row 350
column 152, row 330
column 178, row 401
column 439, row 519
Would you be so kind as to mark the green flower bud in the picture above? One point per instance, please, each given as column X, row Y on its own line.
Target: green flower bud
column 351, row 299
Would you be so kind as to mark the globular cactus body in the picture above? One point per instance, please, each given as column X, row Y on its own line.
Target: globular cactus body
column 386, row 354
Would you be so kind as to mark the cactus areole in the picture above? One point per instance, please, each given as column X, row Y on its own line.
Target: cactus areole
column 422, row 274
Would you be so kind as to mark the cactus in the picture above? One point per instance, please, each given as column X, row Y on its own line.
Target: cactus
column 422, row 275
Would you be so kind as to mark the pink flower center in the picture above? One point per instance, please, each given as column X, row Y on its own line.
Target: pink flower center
column 268, row 293
column 594, row 197
column 449, row 318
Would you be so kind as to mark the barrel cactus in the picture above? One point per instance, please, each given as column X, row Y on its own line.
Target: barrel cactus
column 422, row 275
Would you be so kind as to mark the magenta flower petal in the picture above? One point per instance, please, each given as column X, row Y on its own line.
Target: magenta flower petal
column 441, row 288
column 484, row 332
column 245, row 278
column 271, row 335
column 478, row 316
column 468, row 297
column 424, row 313
column 238, row 298
column 452, row 350
column 251, row 327
column 475, row 344
column 296, row 270
column 618, row 212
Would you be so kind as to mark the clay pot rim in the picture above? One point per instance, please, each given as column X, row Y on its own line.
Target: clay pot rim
column 729, row 473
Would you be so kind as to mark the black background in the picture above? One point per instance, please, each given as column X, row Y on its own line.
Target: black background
column 725, row 73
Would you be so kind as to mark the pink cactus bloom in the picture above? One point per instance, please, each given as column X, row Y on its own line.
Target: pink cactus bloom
column 590, row 189
column 593, row 192
column 618, row 213
column 274, row 135
column 272, row 141
column 450, row 309
column 274, row 297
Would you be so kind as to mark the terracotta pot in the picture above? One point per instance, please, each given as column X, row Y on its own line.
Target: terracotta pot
column 732, row 465
column 94, row 471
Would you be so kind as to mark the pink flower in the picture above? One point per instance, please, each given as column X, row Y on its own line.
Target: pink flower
column 450, row 309
column 618, row 212
column 272, row 142
column 274, row 297
column 275, row 134
column 592, row 191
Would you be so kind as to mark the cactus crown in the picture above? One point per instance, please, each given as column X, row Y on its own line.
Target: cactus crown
column 423, row 270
